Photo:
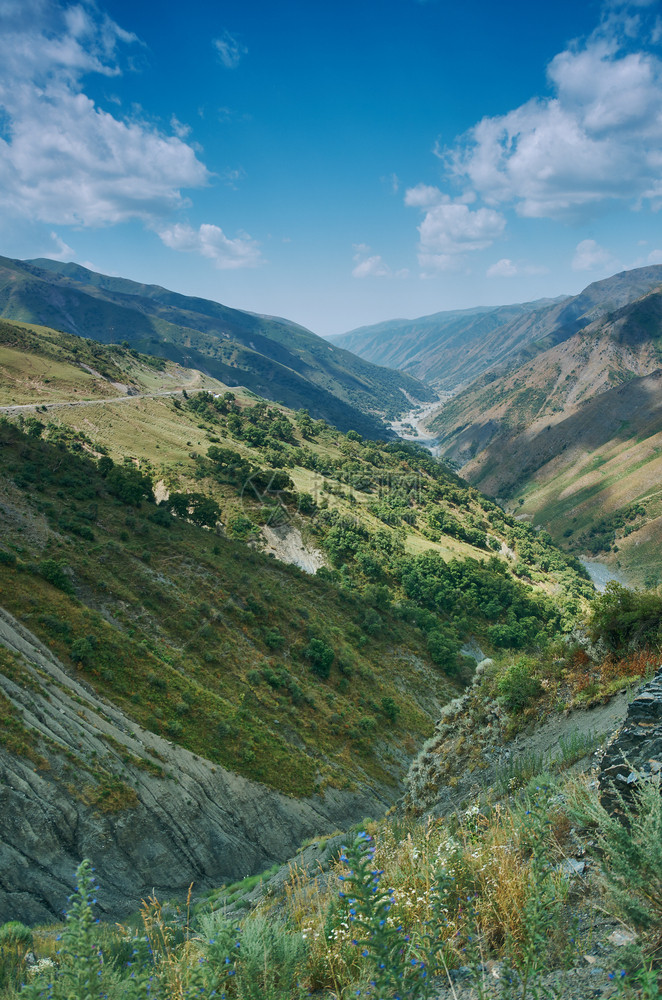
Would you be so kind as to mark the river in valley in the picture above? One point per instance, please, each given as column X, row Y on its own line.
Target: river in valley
column 601, row 575
column 410, row 427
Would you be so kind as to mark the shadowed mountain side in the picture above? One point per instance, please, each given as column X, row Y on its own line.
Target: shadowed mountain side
column 451, row 349
column 274, row 358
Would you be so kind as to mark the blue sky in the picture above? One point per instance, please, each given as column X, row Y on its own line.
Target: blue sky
column 338, row 164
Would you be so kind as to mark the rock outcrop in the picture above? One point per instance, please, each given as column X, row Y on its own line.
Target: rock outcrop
column 183, row 819
column 636, row 751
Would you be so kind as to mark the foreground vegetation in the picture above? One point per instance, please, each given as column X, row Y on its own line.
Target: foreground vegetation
column 485, row 897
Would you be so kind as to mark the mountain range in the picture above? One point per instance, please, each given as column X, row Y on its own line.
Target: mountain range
column 575, row 437
column 273, row 357
column 451, row 349
column 228, row 629
column 555, row 409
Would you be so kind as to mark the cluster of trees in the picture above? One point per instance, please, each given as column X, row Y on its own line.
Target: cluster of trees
column 478, row 596
column 465, row 530
column 624, row 618
column 602, row 535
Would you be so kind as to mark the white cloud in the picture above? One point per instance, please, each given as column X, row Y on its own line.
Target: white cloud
column 655, row 257
column 230, row 50
column 233, row 177
column 61, row 251
column 423, row 196
column 210, row 241
column 599, row 137
column 63, row 159
column 368, row 265
column 590, row 256
column 181, row 130
column 503, row 268
column 507, row 268
column 392, row 182
column 454, row 228
column 371, row 267
column 451, row 229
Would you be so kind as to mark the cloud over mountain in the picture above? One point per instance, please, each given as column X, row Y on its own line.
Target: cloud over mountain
column 450, row 228
column 211, row 242
column 597, row 138
column 64, row 159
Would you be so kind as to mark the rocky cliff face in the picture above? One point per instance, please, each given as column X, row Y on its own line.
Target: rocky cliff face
column 150, row 815
column 636, row 752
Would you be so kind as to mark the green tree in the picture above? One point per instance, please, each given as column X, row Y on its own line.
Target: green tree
column 321, row 656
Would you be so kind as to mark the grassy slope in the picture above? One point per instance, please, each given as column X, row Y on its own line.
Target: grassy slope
column 164, row 439
column 178, row 619
column 193, row 634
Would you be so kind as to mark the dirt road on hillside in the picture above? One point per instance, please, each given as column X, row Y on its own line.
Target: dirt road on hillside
column 195, row 382
column 26, row 407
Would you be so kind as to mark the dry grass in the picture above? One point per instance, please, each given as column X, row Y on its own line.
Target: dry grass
column 481, row 864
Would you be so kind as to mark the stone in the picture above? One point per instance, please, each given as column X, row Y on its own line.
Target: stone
column 635, row 754
column 621, row 938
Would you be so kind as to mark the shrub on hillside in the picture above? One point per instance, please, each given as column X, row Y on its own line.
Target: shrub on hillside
column 321, row 656
column 443, row 647
column 519, row 685
column 624, row 617
column 126, row 483
column 55, row 572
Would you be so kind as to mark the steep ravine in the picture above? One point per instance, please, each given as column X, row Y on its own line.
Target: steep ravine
column 197, row 823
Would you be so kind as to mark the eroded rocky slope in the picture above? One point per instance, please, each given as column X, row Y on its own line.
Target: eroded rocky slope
column 160, row 819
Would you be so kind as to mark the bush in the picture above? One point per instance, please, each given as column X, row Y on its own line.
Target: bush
column 306, row 503
column 15, row 941
column 82, row 650
column 623, row 617
column 15, row 936
column 273, row 639
column 195, row 507
column 390, row 709
column 629, row 849
column 372, row 622
column 443, row 648
column 518, row 685
column 55, row 573
column 242, row 527
column 321, row 656
column 129, row 484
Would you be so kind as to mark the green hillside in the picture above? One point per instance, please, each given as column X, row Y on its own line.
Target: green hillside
column 158, row 602
column 273, row 357
column 226, row 625
column 573, row 439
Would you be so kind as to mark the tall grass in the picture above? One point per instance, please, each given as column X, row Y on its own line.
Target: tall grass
column 404, row 906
